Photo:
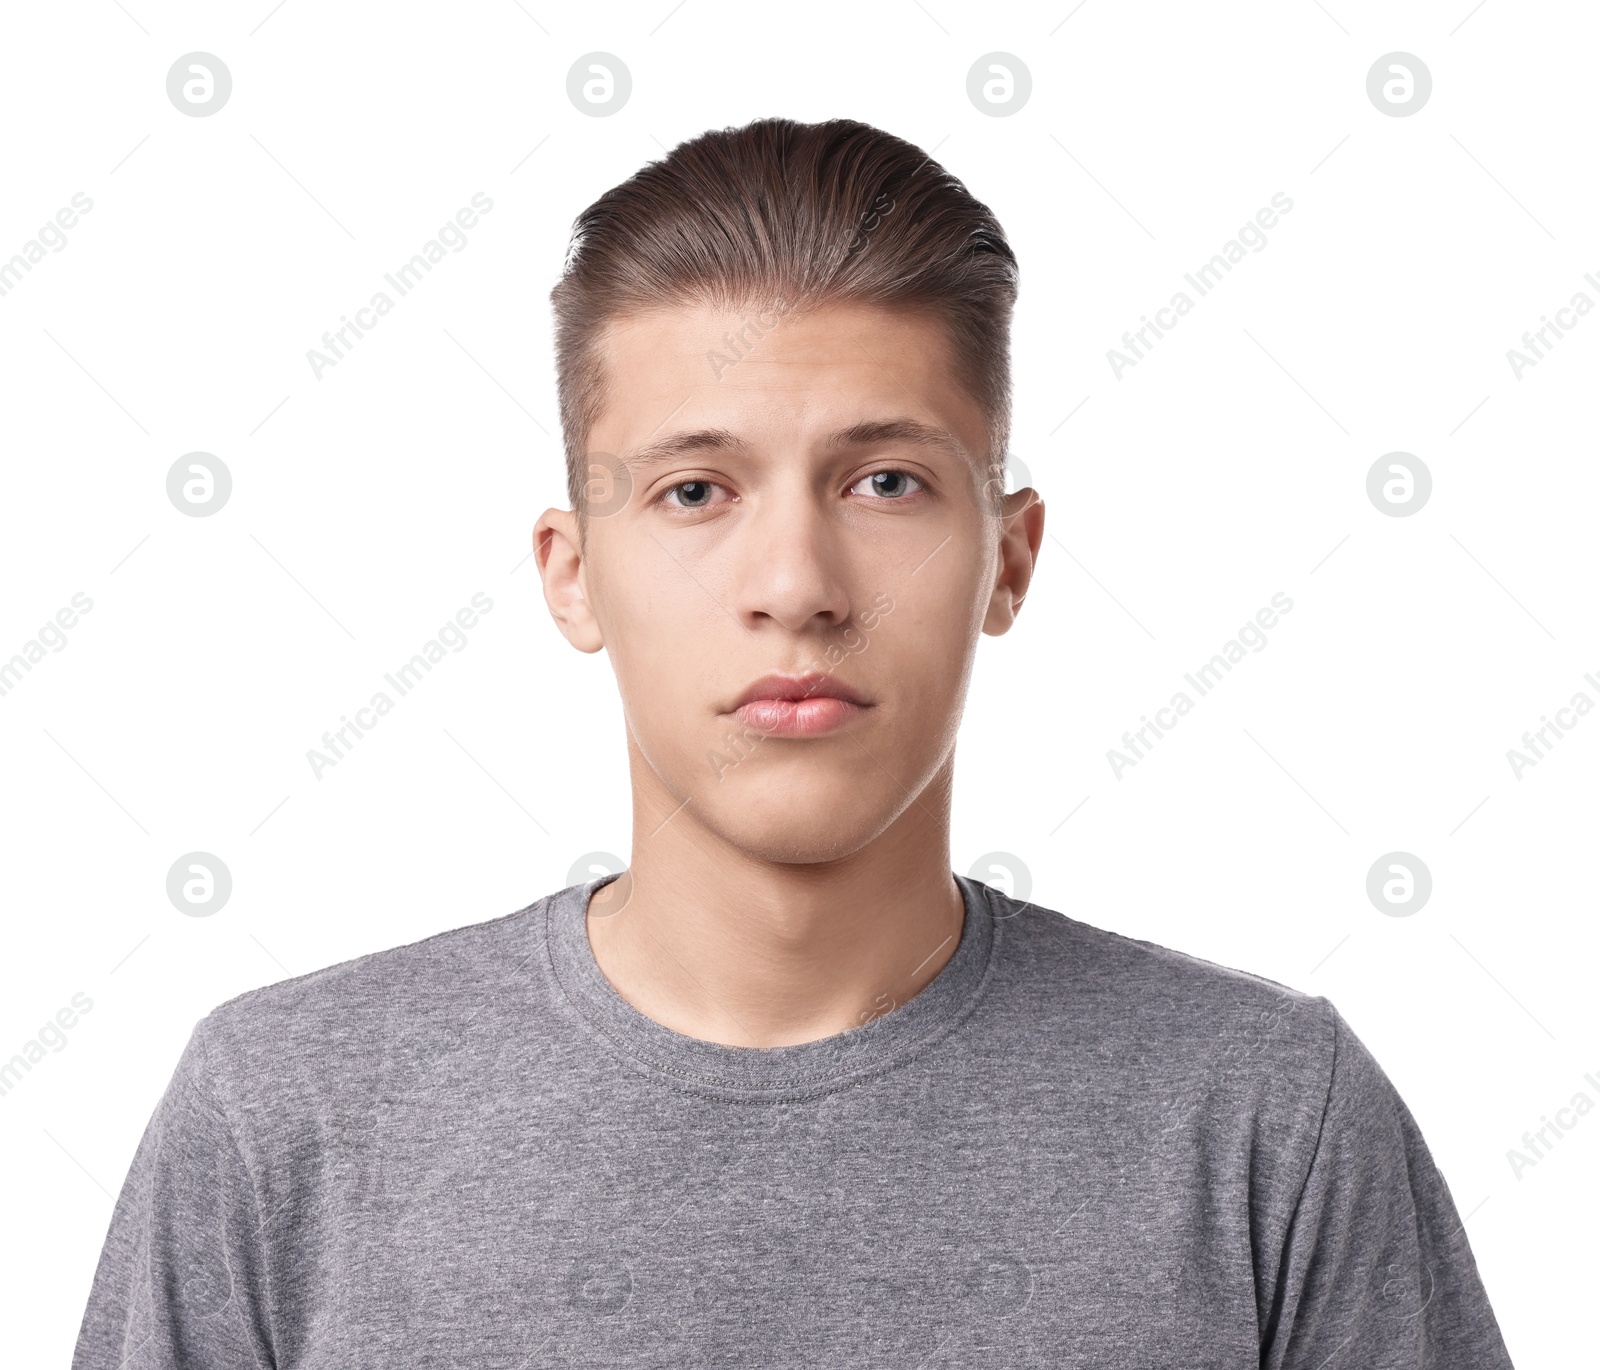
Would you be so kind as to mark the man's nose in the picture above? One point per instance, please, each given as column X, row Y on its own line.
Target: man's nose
column 792, row 565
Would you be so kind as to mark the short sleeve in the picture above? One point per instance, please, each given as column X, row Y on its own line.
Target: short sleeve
column 1376, row 1271
column 179, row 1280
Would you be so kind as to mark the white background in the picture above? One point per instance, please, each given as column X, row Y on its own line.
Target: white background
column 370, row 504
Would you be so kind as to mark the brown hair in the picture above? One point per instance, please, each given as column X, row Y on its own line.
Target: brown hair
column 784, row 215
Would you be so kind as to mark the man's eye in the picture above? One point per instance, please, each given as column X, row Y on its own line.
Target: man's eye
column 887, row 484
column 691, row 494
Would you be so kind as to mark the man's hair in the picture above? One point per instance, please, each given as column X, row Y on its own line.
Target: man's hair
column 780, row 215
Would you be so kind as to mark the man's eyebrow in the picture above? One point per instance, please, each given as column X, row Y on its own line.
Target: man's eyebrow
column 682, row 444
column 877, row 432
column 869, row 433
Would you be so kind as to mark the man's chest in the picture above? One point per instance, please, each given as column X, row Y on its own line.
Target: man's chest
column 795, row 1234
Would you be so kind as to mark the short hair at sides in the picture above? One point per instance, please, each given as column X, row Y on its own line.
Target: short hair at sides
column 784, row 215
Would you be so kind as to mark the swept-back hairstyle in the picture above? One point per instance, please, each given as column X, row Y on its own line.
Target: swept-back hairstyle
column 780, row 215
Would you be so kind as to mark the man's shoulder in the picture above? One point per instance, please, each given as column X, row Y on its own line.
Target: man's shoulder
column 1076, row 973
column 361, row 1004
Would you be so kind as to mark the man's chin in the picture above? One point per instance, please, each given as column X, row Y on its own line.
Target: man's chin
column 789, row 848
column 803, row 825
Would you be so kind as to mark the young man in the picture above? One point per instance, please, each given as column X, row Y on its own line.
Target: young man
column 787, row 1092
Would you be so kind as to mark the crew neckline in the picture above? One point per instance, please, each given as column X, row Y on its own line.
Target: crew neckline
column 801, row 1070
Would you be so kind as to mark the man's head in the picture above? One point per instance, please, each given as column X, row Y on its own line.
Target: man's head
column 784, row 386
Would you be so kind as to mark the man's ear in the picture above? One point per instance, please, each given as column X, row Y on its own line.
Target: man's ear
column 1021, row 532
column 557, row 549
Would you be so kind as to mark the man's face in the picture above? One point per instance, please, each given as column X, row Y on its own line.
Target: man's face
column 807, row 509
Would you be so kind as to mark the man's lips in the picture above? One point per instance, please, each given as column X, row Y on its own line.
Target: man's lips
column 798, row 706
column 793, row 688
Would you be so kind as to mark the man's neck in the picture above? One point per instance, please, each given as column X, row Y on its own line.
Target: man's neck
column 720, row 945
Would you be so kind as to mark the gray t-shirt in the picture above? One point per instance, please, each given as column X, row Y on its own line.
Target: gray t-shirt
column 1071, row 1148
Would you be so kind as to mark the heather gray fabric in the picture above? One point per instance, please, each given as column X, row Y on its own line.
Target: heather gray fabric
column 1071, row 1149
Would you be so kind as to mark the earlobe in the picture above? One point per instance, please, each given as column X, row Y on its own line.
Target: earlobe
column 1021, row 534
column 1003, row 606
column 557, row 551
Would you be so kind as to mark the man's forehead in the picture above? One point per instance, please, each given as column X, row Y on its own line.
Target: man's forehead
column 834, row 376
column 760, row 349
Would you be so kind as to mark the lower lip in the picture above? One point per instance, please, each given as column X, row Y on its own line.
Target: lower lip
column 797, row 717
